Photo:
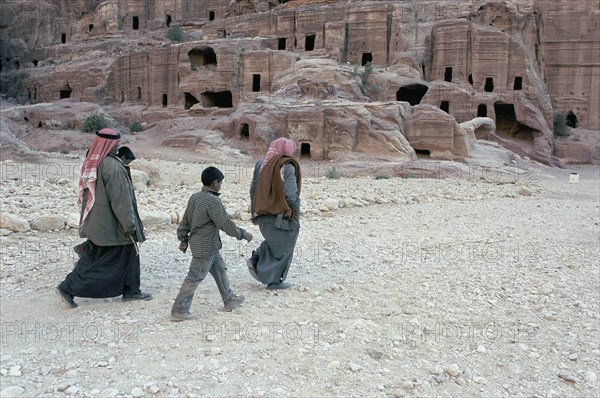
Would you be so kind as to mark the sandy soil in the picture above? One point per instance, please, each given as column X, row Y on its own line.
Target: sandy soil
column 480, row 287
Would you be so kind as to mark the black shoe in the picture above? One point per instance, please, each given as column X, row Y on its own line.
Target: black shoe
column 234, row 302
column 139, row 296
column 66, row 297
column 278, row 286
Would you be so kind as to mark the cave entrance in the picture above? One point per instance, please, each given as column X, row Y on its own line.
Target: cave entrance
column 211, row 15
column 366, row 57
column 245, row 132
column 281, row 43
column 202, row 56
column 168, row 20
column 448, row 74
column 445, row 106
column 507, row 125
column 571, row 119
column 65, row 91
column 309, row 42
column 305, row 151
column 165, row 100
column 190, row 101
column 422, row 152
column 63, row 38
column 413, row 93
column 219, row 99
column 518, row 85
column 135, row 21
column 489, row 85
column 482, row 110
column 256, row 82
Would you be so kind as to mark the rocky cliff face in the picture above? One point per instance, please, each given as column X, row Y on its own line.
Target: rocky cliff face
column 382, row 77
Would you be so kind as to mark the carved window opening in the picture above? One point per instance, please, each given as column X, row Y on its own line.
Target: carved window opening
column 482, row 110
column 63, row 38
column 202, row 57
column 445, row 106
column 65, row 91
column 219, row 99
column 136, row 23
column 281, row 43
column 489, row 85
column 470, row 79
column 309, row 42
column 168, row 20
column 139, row 93
column 211, row 15
column 190, row 101
column 366, row 57
column 165, row 100
column 90, row 27
column 256, row 82
column 507, row 124
column 35, row 62
column 448, row 74
column 122, row 96
column 305, row 151
column 245, row 132
column 571, row 119
column 422, row 152
column 412, row 93
column 518, row 85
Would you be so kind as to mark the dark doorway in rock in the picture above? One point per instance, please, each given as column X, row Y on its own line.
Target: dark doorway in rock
column 90, row 27
column 211, row 15
column 255, row 82
column 63, row 38
column 65, row 91
column 489, row 85
column 518, row 85
column 165, row 100
column 245, row 132
column 309, row 42
column 122, row 96
column 39, row 125
column 470, row 79
column 35, row 93
column 135, row 22
column 168, row 21
column 412, row 93
column 571, row 119
column 507, row 125
column 35, row 62
column 202, row 57
column 219, row 99
column 448, row 74
column 482, row 110
column 190, row 101
column 305, row 151
column 281, row 43
column 422, row 152
column 366, row 57
column 445, row 106
column 139, row 93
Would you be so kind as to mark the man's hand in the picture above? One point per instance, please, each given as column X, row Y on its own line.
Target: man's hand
column 247, row 236
column 183, row 246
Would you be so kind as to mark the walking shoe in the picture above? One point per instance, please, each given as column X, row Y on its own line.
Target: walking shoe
column 182, row 316
column 251, row 268
column 137, row 296
column 66, row 297
column 278, row 286
column 234, row 302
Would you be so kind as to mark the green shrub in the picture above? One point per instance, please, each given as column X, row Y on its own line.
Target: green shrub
column 560, row 125
column 135, row 127
column 175, row 34
column 94, row 123
column 332, row 173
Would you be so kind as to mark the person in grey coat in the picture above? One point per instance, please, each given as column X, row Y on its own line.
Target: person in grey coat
column 109, row 263
column 275, row 207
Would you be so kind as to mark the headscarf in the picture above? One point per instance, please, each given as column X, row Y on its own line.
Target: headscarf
column 280, row 146
column 104, row 141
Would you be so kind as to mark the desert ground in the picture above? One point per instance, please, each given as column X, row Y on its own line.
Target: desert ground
column 481, row 284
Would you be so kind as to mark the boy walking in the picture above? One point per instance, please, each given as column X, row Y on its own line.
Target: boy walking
column 204, row 216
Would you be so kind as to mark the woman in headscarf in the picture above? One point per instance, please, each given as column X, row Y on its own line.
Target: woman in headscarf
column 109, row 263
column 275, row 206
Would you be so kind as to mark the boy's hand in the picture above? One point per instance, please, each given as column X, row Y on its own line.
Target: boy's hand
column 183, row 246
column 247, row 236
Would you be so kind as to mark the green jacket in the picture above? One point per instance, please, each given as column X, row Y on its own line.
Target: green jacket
column 114, row 215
